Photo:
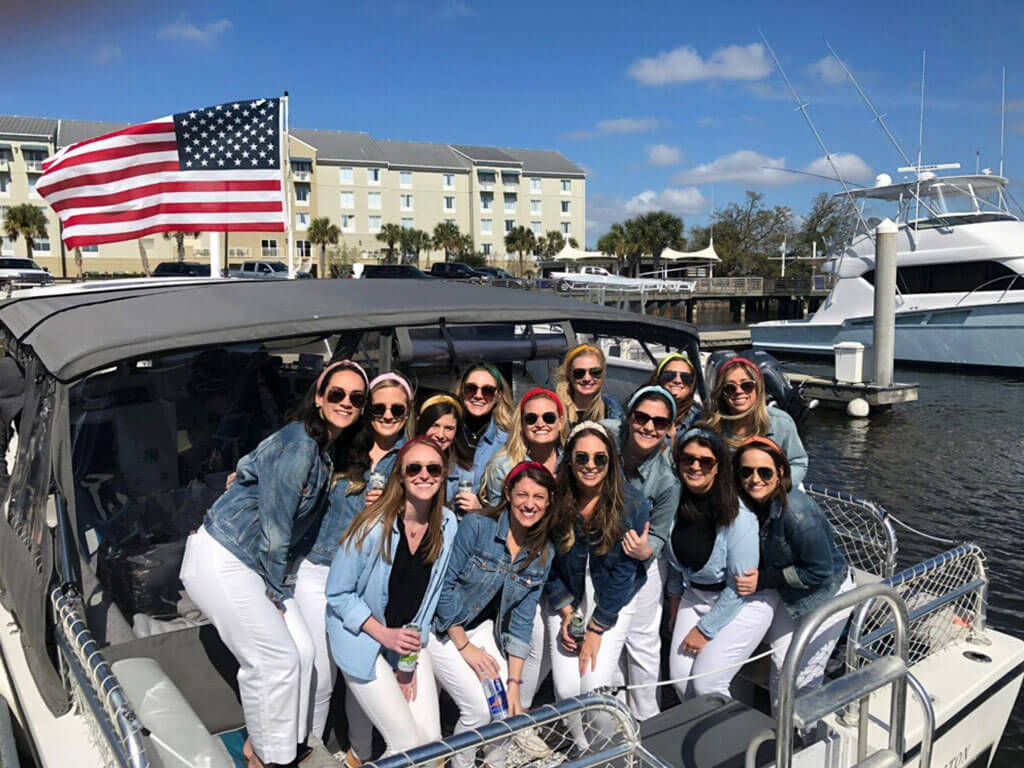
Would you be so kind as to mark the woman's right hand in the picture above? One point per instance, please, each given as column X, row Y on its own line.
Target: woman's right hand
column 230, row 479
column 588, row 652
column 567, row 640
column 371, row 496
column 481, row 662
column 747, row 583
column 401, row 640
column 467, row 501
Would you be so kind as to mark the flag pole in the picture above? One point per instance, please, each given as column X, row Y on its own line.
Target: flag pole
column 286, row 164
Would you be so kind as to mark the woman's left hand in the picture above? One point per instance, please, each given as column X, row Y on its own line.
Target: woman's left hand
column 694, row 642
column 467, row 501
column 512, row 694
column 747, row 583
column 371, row 496
column 635, row 544
column 407, row 684
column 588, row 652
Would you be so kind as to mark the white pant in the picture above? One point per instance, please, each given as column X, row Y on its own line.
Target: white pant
column 274, row 652
column 537, row 665
column 816, row 655
column 642, row 660
column 732, row 644
column 466, row 689
column 403, row 724
column 311, row 595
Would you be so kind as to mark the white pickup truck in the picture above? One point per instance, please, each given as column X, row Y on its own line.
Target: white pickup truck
column 588, row 276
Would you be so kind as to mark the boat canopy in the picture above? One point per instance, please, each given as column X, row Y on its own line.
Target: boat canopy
column 704, row 254
column 982, row 185
column 568, row 253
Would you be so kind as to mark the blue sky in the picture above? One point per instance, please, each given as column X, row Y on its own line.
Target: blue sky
column 664, row 104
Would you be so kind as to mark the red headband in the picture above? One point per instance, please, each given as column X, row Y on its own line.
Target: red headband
column 541, row 392
column 736, row 361
column 521, row 467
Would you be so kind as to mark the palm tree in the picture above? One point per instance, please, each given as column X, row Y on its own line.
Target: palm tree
column 390, row 234
column 551, row 243
column 613, row 243
column 414, row 241
column 657, row 231
column 447, row 238
column 179, row 241
column 25, row 220
column 322, row 232
column 520, row 240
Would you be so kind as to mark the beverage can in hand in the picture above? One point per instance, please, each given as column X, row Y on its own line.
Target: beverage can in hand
column 377, row 481
column 466, row 485
column 578, row 628
column 407, row 663
column 497, row 701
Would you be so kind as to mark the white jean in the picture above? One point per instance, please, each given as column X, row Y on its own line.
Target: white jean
column 274, row 651
column 311, row 595
column 456, row 677
column 815, row 657
column 642, row 659
column 722, row 654
column 403, row 724
column 537, row 665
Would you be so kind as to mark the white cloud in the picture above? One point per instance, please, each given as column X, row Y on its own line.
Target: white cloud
column 107, row 54
column 456, row 9
column 688, row 200
column 617, row 126
column 183, row 29
column 829, row 69
column 663, row 154
column 706, row 121
column 749, row 167
column 850, row 166
column 685, row 65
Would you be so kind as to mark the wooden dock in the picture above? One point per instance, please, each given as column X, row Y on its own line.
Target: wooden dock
column 839, row 394
column 736, row 339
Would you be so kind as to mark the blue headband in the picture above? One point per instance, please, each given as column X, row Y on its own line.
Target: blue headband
column 652, row 389
column 706, row 434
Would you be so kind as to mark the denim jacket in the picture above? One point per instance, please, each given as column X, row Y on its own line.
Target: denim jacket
column 480, row 566
column 278, row 495
column 798, row 546
column 783, row 433
column 490, row 443
column 343, row 508
column 456, row 476
column 617, row 577
column 612, row 407
column 494, row 477
column 357, row 588
column 734, row 552
column 656, row 479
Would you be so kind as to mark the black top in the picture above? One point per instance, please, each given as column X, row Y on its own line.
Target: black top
column 408, row 582
column 693, row 540
column 490, row 611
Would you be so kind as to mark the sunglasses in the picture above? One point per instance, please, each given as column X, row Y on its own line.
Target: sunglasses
column 667, row 377
column 337, row 395
column 413, row 468
column 583, row 459
column 487, row 391
column 580, row 373
column 379, row 409
column 550, row 417
column 707, row 463
column 660, row 423
column 732, row 389
column 764, row 473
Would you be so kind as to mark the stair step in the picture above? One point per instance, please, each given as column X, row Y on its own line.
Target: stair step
column 883, row 758
column 811, row 707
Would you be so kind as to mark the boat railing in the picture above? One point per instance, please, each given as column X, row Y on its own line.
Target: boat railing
column 95, row 686
column 1012, row 279
column 946, row 598
column 592, row 731
column 863, row 530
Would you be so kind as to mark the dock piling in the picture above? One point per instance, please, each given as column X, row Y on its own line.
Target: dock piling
column 884, row 334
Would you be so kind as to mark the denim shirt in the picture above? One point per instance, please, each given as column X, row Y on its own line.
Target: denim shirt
column 342, row 508
column 480, row 566
column 612, row 407
column 490, row 443
column 617, row 577
column 278, row 495
column 783, row 433
column 456, row 476
column 357, row 588
column 656, row 479
column 798, row 541
column 734, row 552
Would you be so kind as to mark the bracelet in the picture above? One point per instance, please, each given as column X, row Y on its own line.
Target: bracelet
column 464, row 646
column 598, row 632
column 516, row 680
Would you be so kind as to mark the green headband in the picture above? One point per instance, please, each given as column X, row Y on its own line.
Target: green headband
column 669, row 358
column 487, row 367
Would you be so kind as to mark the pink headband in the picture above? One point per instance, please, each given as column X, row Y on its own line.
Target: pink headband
column 541, row 392
column 390, row 376
column 348, row 364
column 737, row 361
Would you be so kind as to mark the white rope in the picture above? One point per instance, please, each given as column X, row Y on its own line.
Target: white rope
column 693, row 677
column 914, row 530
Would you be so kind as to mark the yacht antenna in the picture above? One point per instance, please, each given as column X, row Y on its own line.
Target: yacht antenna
column 1002, row 124
column 920, row 145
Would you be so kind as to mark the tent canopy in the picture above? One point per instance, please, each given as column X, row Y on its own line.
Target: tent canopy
column 568, row 253
column 705, row 254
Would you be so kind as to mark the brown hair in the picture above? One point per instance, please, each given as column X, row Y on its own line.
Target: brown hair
column 538, row 536
column 781, row 467
column 504, row 411
column 719, row 419
column 457, row 452
column 605, row 527
column 724, row 501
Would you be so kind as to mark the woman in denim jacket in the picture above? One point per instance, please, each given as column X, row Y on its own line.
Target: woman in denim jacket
column 714, row 540
column 239, row 568
column 438, row 418
column 387, row 575
column 675, row 373
column 372, row 451
column 801, row 567
column 595, row 508
column 579, row 382
column 500, row 562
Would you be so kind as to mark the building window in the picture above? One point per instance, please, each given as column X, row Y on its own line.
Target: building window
column 373, row 201
column 566, row 186
column 565, row 208
column 373, row 175
column 566, row 228
column 485, row 226
column 90, row 249
column 510, row 202
column 535, row 227
column 486, row 201
column 348, row 200
column 510, row 224
column 5, row 183
column 303, row 249
column 302, row 193
column 535, row 206
column 406, row 202
column 301, row 220
column 6, row 246
column 449, row 181
column 375, row 223
column 301, row 169
column 535, row 185
column 41, row 244
column 268, row 249
column 34, row 159
column 449, row 202
column 487, row 249
column 486, row 178
column 509, row 179
column 348, row 222
column 32, row 185
column 407, row 223
column 405, row 178
column 345, row 176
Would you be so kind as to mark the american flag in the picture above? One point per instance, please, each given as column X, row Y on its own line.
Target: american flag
column 211, row 169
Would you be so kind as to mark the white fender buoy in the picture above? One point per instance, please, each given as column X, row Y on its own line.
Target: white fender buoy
column 858, row 408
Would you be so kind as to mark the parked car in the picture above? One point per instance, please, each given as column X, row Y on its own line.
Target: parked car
column 501, row 277
column 23, row 273
column 273, row 270
column 394, row 271
column 181, row 269
column 456, row 270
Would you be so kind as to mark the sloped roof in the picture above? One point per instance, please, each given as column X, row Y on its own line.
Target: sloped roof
column 419, row 154
column 37, row 127
column 70, row 131
column 546, row 162
column 354, row 146
column 491, row 155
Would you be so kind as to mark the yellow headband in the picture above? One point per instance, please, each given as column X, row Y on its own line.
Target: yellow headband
column 435, row 399
column 669, row 358
column 580, row 349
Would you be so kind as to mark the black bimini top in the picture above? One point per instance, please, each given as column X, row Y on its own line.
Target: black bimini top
column 80, row 331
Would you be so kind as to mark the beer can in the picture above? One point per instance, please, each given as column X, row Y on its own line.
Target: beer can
column 407, row 663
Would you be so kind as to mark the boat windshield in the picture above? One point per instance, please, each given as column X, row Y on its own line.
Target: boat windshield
column 941, row 202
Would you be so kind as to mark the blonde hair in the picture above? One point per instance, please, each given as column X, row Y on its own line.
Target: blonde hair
column 504, row 411
column 563, row 386
column 515, row 448
column 359, row 454
column 682, row 408
column 719, row 420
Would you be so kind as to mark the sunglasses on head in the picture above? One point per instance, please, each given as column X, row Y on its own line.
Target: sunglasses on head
column 550, row 417
column 337, row 395
column 732, row 388
column 583, row 459
column 764, row 473
column 580, row 373
column 667, row 377
column 660, row 422
column 487, row 391
column 707, row 463
column 377, row 410
column 413, row 468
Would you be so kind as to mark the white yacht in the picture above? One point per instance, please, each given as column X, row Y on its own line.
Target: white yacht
column 960, row 276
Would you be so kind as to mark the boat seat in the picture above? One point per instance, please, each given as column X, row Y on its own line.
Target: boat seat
column 706, row 731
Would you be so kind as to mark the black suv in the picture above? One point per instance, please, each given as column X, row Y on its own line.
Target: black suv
column 181, row 269
column 394, row 271
column 456, row 270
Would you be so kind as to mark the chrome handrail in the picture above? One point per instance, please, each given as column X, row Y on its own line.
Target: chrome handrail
column 1012, row 278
